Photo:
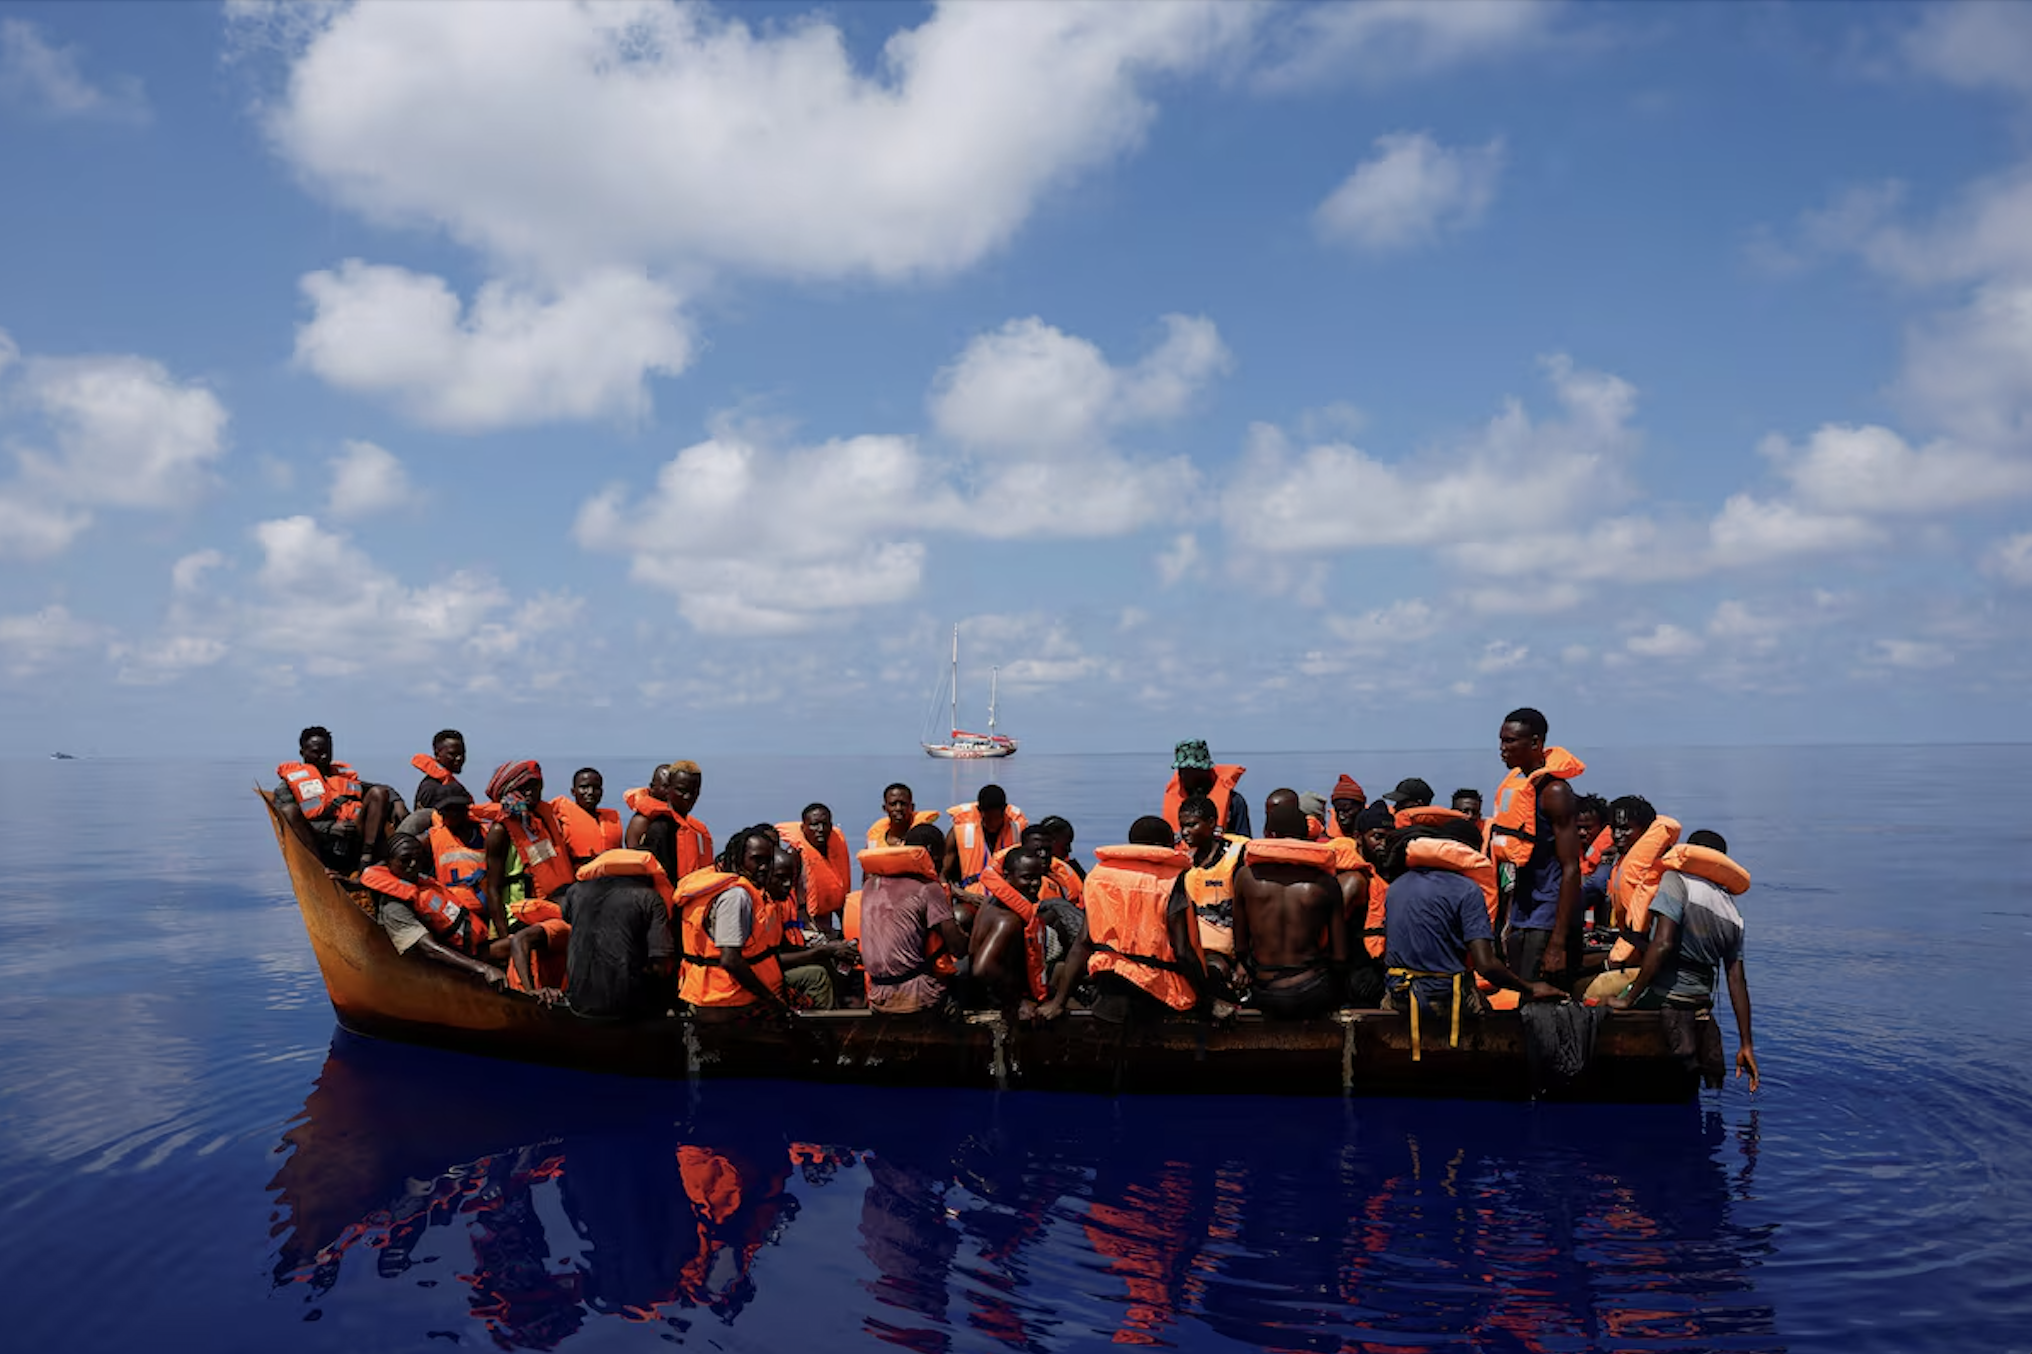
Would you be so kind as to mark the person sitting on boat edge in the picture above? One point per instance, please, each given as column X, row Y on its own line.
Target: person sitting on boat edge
column 588, row 828
column 1286, row 901
column 1436, row 915
column 420, row 914
column 1007, row 948
column 663, row 824
column 1143, row 934
column 899, row 814
column 441, row 768
column 730, row 931
column 804, row 955
column 1194, row 773
column 911, row 944
column 1696, row 936
column 980, row 829
column 342, row 819
column 1209, row 883
column 529, row 867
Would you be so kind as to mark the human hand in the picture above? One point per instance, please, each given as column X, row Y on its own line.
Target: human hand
column 1051, row 1010
column 1621, row 1001
column 1746, row 1061
column 493, row 977
column 1554, row 960
column 549, row 996
column 1026, row 1010
column 1542, row 992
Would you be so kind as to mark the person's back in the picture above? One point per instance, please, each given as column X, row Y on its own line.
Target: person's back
column 1289, row 930
column 1710, row 938
column 908, row 936
column 620, row 948
column 1430, row 917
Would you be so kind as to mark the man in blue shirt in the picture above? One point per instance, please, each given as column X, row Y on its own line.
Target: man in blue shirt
column 1437, row 933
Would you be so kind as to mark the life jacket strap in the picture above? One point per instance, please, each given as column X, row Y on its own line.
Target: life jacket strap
column 1411, row 977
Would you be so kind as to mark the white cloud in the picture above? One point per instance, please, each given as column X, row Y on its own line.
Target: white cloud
column 367, row 480
column 1871, row 471
column 569, row 137
column 1510, row 481
column 1665, row 641
column 1970, row 370
column 1750, row 531
column 2011, row 560
column 47, row 79
column 187, row 575
column 166, row 659
column 34, row 643
column 1390, row 40
column 115, row 431
column 1179, row 561
column 1975, row 45
column 1412, row 191
column 1735, row 620
column 517, row 356
column 1404, row 622
column 1911, row 654
column 1499, row 655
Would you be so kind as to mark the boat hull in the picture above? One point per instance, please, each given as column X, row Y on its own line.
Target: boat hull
column 952, row 754
column 380, row 993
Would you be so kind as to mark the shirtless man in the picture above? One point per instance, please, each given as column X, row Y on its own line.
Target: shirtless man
column 1283, row 911
column 1006, row 950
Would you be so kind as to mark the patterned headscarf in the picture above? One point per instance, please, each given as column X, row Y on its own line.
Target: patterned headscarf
column 1192, row 755
column 511, row 783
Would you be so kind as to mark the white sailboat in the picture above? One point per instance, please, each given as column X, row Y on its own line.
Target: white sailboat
column 964, row 745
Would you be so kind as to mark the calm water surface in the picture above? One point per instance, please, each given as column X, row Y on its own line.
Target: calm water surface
column 193, row 1160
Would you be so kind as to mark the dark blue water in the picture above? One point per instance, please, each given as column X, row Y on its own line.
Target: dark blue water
column 189, row 1158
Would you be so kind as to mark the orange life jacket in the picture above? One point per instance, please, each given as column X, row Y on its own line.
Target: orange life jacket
column 586, row 834
column 1211, row 887
column 975, row 848
column 694, row 839
column 1289, row 851
column 1225, row 778
column 1348, row 859
column 1704, row 862
column 1002, row 891
column 1514, row 825
column 460, row 868
column 320, row 796
column 1437, row 853
column 1060, row 881
column 433, row 904
column 1427, row 815
column 827, row 874
column 546, row 862
column 638, row 864
column 1128, row 893
column 878, row 831
column 1591, row 859
column 433, row 768
column 878, row 862
column 1635, row 884
column 703, row 982
column 547, row 965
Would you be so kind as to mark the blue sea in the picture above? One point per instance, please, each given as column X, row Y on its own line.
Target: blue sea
column 193, row 1157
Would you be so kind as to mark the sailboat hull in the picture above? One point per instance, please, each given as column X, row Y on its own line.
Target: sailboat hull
column 970, row 752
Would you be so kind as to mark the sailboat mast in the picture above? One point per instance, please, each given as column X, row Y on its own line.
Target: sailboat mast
column 955, row 725
column 993, row 673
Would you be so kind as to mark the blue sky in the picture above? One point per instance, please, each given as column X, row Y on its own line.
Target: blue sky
column 1291, row 376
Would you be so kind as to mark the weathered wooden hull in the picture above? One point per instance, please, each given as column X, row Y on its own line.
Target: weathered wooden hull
column 377, row 992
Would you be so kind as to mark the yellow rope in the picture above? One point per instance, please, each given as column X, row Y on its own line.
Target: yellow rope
column 1411, row 977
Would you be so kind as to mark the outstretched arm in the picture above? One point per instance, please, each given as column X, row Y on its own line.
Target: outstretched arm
column 1071, row 971
column 444, row 954
column 1562, row 812
column 1664, row 944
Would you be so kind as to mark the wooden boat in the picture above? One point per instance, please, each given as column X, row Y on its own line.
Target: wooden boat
column 380, row 993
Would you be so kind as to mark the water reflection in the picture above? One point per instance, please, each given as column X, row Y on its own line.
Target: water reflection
column 1019, row 1223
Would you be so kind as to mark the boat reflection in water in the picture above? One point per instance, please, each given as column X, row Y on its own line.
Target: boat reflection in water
column 1021, row 1222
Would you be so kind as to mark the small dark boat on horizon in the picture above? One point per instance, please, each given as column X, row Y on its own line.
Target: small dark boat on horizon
column 380, row 993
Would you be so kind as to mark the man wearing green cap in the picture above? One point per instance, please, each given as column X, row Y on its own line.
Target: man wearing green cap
column 1193, row 773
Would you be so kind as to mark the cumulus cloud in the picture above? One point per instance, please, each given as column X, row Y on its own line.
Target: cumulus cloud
column 1975, row 45
column 1910, row 654
column 516, row 356
column 367, row 480
column 1410, row 193
column 1749, row 530
column 1872, row 471
column 1664, row 641
column 1390, row 40
column 102, row 432
column 1180, row 560
column 1970, row 369
column 48, row 80
column 1509, row 481
column 34, row 643
column 2011, row 560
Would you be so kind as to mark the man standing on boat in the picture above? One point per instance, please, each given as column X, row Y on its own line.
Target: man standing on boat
column 899, row 815
column 1536, row 829
column 1287, row 902
column 980, row 830
column 1194, row 774
column 663, row 825
column 588, row 828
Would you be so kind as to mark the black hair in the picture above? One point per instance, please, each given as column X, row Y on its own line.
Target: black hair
column 453, row 794
column 899, row 785
column 397, row 841
column 1532, row 721
column 442, row 734
column 580, row 772
column 1393, row 863
column 1035, row 830
column 927, row 836
column 1150, row 830
column 992, row 797
column 1199, row 806
column 1712, row 840
column 1466, row 792
column 1043, row 858
column 1594, row 804
column 1636, row 808
column 314, row 731
column 736, row 850
column 1057, row 826
column 1376, row 815
column 814, row 805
